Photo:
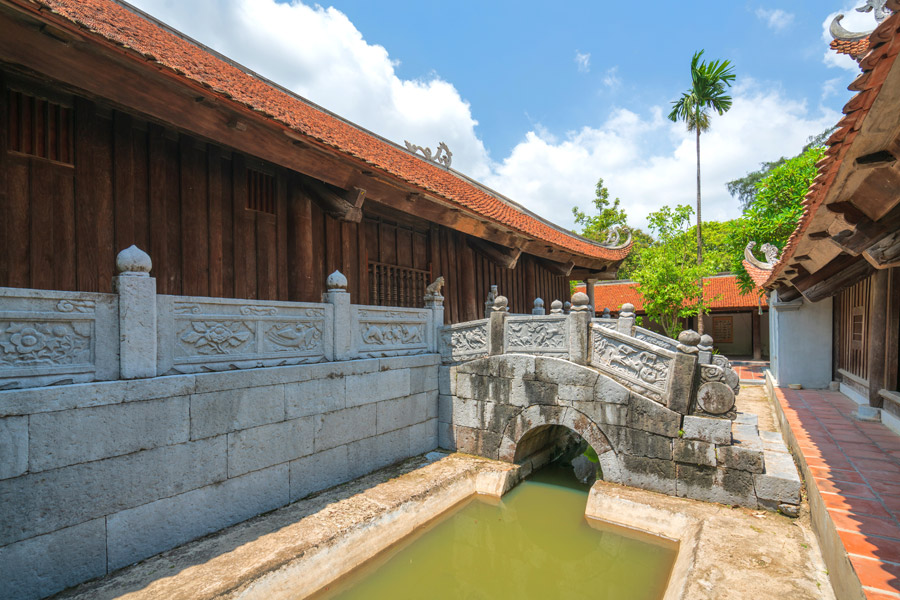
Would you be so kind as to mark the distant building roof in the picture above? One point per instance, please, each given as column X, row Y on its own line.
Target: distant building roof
column 157, row 45
column 723, row 289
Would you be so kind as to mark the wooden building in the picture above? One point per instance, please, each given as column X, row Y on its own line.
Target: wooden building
column 842, row 262
column 117, row 130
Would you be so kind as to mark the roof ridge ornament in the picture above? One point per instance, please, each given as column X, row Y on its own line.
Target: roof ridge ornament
column 769, row 250
column 881, row 13
column 613, row 237
column 442, row 156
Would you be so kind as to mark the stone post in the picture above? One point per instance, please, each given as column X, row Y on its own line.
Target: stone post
column 579, row 329
column 556, row 307
column 538, row 307
column 338, row 296
column 567, row 307
column 681, row 386
column 626, row 319
column 137, row 314
column 705, row 348
column 436, row 305
column 589, row 287
column 489, row 303
column 499, row 311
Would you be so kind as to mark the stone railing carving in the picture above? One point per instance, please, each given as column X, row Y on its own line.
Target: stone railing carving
column 388, row 331
column 214, row 334
column 465, row 341
column 657, row 339
column 52, row 338
column 607, row 322
column 645, row 367
column 539, row 335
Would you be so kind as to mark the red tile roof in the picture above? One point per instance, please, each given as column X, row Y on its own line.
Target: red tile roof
column 853, row 48
column 155, row 44
column 723, row 289
column 758, row 275
column 884, row 45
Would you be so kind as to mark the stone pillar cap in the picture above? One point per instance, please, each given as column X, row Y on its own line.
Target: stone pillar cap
column 336, row 281
column 133, row 262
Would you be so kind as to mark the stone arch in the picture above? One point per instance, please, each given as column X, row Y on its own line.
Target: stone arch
column 541, row 415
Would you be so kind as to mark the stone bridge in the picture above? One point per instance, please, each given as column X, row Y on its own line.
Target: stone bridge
column 660, row 413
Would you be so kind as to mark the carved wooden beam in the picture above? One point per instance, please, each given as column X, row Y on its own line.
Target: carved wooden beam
column 886, row 253
column 581, row 274
column 787, row 293
column 345, row 205
column 831, row 269
column 507, row 258
column 844, row 278
column 867, row 232
column 563, row 270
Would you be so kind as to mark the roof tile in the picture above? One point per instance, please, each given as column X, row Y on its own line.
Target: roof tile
column 723, row 289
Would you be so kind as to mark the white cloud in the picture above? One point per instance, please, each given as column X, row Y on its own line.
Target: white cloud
column 830, row 87
column 583, row 61
column 644, row 159
column 776, row 19
column 853, row 21
column 611, row 78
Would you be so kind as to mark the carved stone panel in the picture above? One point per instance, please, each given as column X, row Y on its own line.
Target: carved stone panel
column 51, row 338
column 378, row 332
column 605, row 323
column 656, row 339
column 644, row 368
column 540, row 335
column 213, row 334
column 465, row 341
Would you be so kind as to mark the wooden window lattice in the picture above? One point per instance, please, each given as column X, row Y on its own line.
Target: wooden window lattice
column 390, row 285
column 260, row 192
column 39, row 127
column 854, row 329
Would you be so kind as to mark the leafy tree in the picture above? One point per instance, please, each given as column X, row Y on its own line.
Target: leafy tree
column 716, row 250
column 608, row 215
column 668, row 272
column 775, row 210
column 707, row 92
column 642, row 241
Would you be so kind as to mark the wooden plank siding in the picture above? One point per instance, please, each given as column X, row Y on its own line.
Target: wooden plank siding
column 186, row 203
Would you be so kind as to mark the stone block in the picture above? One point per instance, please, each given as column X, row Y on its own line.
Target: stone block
column 344, row 426
column 515, row 366
column 490, row 388
column 464, row 385
column 169, row 522
column 641, row 443
column 431, row 405
column 215, row 413
column 70, row 437
column 746, row 419
column 447, row 436
column 607, row 390
column 495, row 417
column 647, row 415
column 575, row 393
column 468, row 413
column 13, row 446
column 423, row 437
column 378, row 386
column 706, row 429
column 376, row 452
column 47, row 501
column 649, row 474
column 423, row 379
column 318, row 471
column 267, row 445
column 402, row 412
column 540, row 392
column 481, row 366
column 556, row 370
column 445, row 408
column 772, row 441
column 477, row 442
column 602, row 412
column 711, row 484
column 43, row 565
column 413, row 361
column 780, row 482
column 681, row 385
column 447, row 380
column 743, row 458
column 694, row 452
column 314, row 397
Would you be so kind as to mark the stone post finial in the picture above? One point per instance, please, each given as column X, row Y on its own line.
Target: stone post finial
column 336, row 281
column 687, row 341
column 133, row 262
column 556, row 307
column 627, row 310
column 580, row 302
column 567, row 307
column 625, row 323
column 606, row 314
column 538, row 307
column 489, row 303
column 501, row 304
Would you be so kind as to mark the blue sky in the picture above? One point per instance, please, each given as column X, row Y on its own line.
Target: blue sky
column 539, row 99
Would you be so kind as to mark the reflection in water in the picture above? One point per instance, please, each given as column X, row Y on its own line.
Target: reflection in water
column 535, row 543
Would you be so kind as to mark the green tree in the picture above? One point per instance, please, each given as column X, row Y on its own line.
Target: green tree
column 668, row 272
column 716, row 250
column 641, row 241
column 608, row 215
column 775, row 210
column 709, row 81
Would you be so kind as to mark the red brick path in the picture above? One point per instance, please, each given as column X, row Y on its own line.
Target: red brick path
column 856, row 467
column 751, row 372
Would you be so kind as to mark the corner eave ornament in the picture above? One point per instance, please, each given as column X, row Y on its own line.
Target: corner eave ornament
column 442, row 156
column 769, row 250
column 881, row 13
column 613, row 239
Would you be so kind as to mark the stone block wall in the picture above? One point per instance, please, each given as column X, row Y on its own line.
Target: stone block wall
column 97, row 476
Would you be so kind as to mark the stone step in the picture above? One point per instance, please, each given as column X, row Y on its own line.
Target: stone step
column 773, row 442
column 780, row 484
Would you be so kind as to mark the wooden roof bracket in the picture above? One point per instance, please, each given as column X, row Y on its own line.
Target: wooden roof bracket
column 345, row 205
column 502, row 256
column 560, row 269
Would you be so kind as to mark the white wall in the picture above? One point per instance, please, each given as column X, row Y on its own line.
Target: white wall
column 800, row 342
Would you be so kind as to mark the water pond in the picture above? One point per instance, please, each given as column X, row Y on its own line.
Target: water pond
column 535, row 543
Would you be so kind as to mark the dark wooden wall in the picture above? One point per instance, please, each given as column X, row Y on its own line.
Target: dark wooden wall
column 116, row 180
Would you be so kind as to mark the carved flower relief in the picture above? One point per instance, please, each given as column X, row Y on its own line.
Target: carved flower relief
column 26, row 344
column 535, row 335
column 392, row 334
column 294, row 336
column 468, row 340
column 216, row 337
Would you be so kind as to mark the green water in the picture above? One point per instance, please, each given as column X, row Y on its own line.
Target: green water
column 535, row 543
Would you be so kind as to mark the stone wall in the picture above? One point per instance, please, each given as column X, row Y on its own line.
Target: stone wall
column 96, row 476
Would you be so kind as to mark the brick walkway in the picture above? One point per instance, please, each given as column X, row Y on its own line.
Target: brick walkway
column 751, row 372
column 856, row 468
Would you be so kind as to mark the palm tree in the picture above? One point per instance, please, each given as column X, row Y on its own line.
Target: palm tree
column 707, row 91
